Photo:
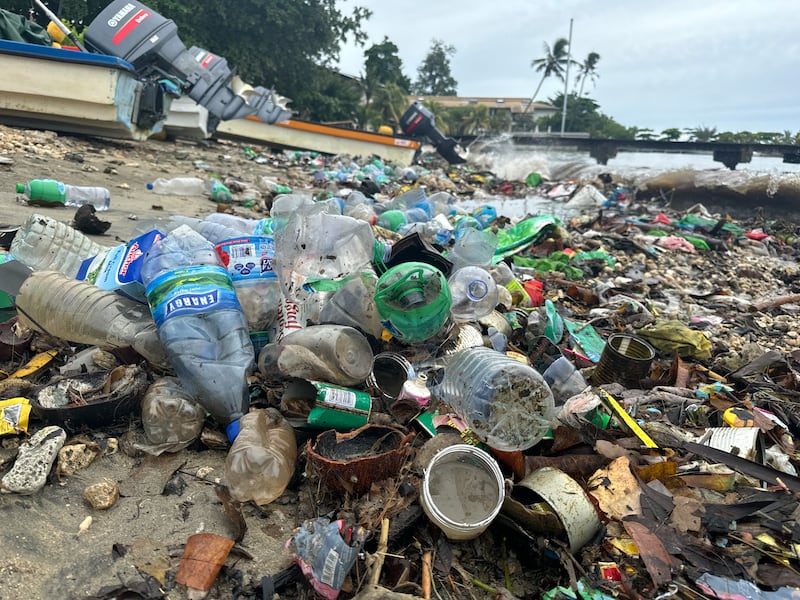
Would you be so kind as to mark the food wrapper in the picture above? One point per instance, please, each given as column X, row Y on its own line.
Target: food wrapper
column 14, row 415
column 326, row 551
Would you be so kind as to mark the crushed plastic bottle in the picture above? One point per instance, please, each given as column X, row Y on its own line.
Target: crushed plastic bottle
column 261, row 461
column 201, row 323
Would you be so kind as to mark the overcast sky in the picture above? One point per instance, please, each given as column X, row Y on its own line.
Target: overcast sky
column 729, row 64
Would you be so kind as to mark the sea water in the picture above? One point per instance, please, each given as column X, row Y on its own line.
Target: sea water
column 677, row 179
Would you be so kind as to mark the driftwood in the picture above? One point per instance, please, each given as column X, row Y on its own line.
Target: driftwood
column 774, row 301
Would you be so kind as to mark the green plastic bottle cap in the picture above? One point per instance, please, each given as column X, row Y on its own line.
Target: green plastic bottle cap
column 20, row 188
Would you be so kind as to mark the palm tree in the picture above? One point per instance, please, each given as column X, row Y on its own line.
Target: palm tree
column 389, row 101
column 554, row 62
column 587, row 69
column 702, row 134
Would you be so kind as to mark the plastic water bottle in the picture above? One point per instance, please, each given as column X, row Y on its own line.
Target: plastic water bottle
column 242, row 224
column 473, row 247
column 330, row 353
column 249, row 259
column 170, row 417
column 49, row 192
column 505, row 402
column 45, row 244
column 214, row 232
column 192, row 186
column 178, row 186
column 200, row 323
column 315, row 245
column 261, row 461
column 82, row 313
column 413, row 301
column 474, row 293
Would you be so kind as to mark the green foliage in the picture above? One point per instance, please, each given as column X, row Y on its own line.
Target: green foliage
column 434, row 77
column 587, row 69
column 702, row 134
column 383, row 65
column 582, row 116
column 553, row 63
column 280, row 43
column 388, row 105
column 673, row 134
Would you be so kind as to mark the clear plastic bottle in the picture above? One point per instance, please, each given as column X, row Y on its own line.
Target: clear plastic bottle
column 353, row 304
column 178, row 186
column 201, row 323
column 49, row 192
column 80, row 312
column 331, row 353
column 214, row 232
column 506, row 403
column 242, row 224
column 170, row 416
column 249, row 260
column 315, row 244
column 473, row 247
column 43, row 243
column 261, row 461
column 474, row 293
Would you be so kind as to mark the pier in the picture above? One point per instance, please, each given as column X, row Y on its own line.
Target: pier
column 602, row 150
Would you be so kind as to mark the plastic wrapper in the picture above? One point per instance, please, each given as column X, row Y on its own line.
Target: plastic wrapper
column 14, row 415
column 325, row 551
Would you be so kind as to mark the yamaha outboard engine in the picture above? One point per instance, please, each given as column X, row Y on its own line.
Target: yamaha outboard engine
column 131, row 31
column 419, row 122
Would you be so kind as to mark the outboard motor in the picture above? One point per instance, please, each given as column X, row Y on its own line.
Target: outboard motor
column 131, row 31
column 419, row 122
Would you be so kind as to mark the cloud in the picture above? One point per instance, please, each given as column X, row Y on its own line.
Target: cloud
column 675, row 63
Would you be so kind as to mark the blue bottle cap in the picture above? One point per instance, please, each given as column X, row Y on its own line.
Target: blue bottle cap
column 149, row 186
column 232, row 430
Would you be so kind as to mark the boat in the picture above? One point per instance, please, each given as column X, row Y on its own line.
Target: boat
column 297, row 134
column 70, row 91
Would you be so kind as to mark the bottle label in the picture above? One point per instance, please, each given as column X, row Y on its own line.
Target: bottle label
column 191, row 291
column 339, row 408
column 120, row 269
column 248, row 258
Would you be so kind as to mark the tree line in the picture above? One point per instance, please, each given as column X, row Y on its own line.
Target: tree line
column 294, row 47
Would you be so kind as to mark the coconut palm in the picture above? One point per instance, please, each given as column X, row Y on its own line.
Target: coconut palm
column 388, row 103
column 554, row 62
column 587, row 69
column 702, row 134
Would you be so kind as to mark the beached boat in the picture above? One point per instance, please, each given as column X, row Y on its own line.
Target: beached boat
column 77, row 92
column 296, row 134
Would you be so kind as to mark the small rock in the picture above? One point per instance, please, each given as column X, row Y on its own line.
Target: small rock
column 74, row 457
column 36, row 457
column 102, row 495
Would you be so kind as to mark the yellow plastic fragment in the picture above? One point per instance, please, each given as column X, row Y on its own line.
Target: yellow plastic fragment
column 626, row 419
column 36, row 364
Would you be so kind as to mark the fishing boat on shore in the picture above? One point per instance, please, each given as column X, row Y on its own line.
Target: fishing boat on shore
column 77, row 92
column 296, row 134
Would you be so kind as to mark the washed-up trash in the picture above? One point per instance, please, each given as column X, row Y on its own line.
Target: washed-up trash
column 202, row 560
column 326, row 550
column 92, row 400
column 674, row 336
column 352, row 462
column 549, row 502
column 14, row 414
column 462, row 491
